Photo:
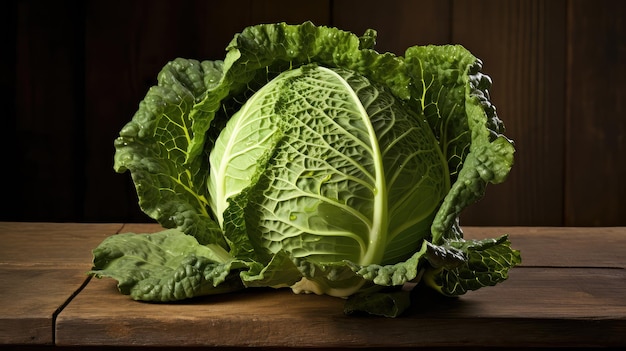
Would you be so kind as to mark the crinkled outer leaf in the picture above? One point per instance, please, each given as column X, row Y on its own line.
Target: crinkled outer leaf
column 280, row 272
column 454, row 96
column 165, row 266
column 453, row 268
column 393, row 274
column 488, row 262
column 490, row 162
column 385, row 304
column 236, row 230
column 406, row 271
column 160, row 148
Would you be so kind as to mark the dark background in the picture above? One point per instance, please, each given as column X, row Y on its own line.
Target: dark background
column 73, row 72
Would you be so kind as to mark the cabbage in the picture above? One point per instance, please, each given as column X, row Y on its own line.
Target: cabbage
column 306, row 159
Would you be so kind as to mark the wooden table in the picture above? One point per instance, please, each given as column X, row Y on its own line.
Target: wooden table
column 569, row 291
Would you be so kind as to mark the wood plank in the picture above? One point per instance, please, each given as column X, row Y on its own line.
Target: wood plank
column 596, row 128
column 540, row 305
column 51, row 244
column 30, row 298
column 567, row 293
column 522, row 46
column 41, row 266
column 536, row 307
column 593, row 247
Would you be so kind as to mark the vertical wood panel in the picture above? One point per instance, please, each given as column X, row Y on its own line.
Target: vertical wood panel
column 8, row 80
column 46, row 179
column 78, row 71
column 595, row 190
column 399, row 23
column 522, row 45
column 127, row 43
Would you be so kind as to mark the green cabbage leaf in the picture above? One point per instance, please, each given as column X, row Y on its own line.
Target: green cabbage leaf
column 306, row 159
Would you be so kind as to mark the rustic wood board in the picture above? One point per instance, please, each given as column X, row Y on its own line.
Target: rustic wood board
column 29, row 299
column 544, row 303
column 41, row 266
column 562, row 247
column 536, row 307
column 51, row 243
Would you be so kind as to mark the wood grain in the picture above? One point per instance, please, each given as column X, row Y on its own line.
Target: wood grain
column 536, row 307
column 41, row 266
column 568, row 292
column 522, row 46
column 400, row 24
column 75, row 74
column 596, row 125
column 580, row 247
column 29, row 298
column 51, row 244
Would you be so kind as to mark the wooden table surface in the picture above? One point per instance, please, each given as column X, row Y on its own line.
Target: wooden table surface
column 569, row 291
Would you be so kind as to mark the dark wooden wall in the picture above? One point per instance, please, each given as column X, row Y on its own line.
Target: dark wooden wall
column 73, row 73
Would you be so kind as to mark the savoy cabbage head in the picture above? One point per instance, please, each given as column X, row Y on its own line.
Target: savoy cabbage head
column 306, row 159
